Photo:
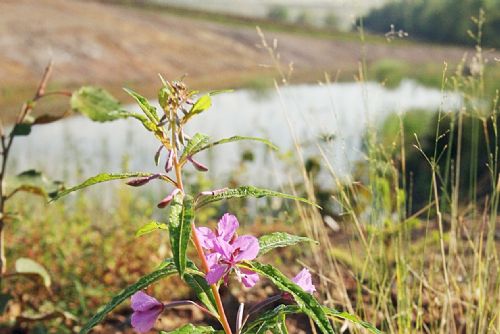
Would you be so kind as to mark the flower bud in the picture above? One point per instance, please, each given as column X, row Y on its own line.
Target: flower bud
column 166, row 201
column 142, row 180
column 169, row 163
column 197, row 165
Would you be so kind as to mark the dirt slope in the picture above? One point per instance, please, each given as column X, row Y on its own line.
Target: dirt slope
column 115, row 46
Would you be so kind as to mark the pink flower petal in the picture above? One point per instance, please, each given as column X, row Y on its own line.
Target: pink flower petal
column 206, row 237
column 144, row 321
column 248, row 248
column 216, row 272
column 248, row 277
column 141, row 301
column 227, row 226
column 304, row 280
column 223, row 248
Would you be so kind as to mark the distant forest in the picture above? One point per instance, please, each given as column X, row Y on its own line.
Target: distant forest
column 443, row 21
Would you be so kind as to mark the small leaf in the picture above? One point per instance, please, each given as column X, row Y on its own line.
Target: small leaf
column 304, row 300
column 166, row 269
column 192, row 329
column 194, row 144
column 21, row 129
column 279, row 239
column 247, row 191
column 181, row 217
column 201, row 105
column 31, row 190
column 220, row 91
column 97, row 104
column 233, row 139
column 104, row 177
column 146, row 107
column 28, row 266
column 150, row 227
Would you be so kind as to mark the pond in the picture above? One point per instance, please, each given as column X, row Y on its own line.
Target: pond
column 76, row 148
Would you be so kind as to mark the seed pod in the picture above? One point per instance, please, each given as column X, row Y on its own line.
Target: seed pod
column 142, row 180
column 199, row 166
column 166, row 201
column 169, row 163
column 157, row 155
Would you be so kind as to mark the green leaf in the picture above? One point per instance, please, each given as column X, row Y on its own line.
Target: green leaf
column 181, row 217
column 352, row 318
column 194, row 144
column 220, row 91
column 21, row 129
column 146, row 107
column 166, row 269
column 201, row 105
column 97, row 104
column 150, row 227
column 267, row 320
column 233, row 139
column 192, row 329
column 103, row 177
column 303, row 299
column 196, row 280
column 279, row 239
column 247, row 191
column 28, row 266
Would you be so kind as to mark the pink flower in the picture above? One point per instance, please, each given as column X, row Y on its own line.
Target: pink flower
column 225, row 250
column 303, row 279
column 146, row 310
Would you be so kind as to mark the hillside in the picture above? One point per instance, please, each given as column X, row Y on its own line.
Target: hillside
column 110, row 45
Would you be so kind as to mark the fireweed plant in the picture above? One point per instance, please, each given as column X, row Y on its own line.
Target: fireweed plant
column 221, row 252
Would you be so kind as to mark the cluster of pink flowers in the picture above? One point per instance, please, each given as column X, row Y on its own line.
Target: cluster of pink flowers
column 225, row 250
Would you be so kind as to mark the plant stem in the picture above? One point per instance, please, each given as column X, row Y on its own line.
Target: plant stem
column 6, row 146
column 194, row 236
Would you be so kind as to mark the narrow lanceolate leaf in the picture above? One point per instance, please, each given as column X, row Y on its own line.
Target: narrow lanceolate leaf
column 192, row 329
column 194, row 144
column 270, row 318
column 97, row 104
column 303, row 299
column 331, row 312
column 146, row 107
column 150, row 227
column 165, row 270
column 104, row 177
column 233, row 139
column 181, row 216
column 196, row 280
column 247, row 191
column 202, row 104
column 28, row 266
column 279, row 239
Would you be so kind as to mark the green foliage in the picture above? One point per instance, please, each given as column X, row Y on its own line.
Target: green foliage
column 196, row 280
column 278, row 13
column 146, row 107
column 167, row 269
column 274, row 240
column 246, row 191
column 194, row 145
column 202, row 104
column 304, row 300
column 100, row 178
column 151, row 227
column 444, row 21
column 97, row 104
column 389, row 71
column 181, row 217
